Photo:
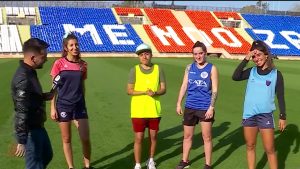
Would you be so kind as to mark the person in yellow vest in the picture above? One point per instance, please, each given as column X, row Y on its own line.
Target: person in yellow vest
column 146, row 84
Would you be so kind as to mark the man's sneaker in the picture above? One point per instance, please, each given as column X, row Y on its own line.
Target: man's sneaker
column 183, row 165
column 150, row 165
column 207, row 167
column 138, row 167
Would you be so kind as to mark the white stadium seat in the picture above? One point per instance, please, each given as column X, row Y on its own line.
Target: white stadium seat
column 8, row 10
column 31, row 11
column 1, row 19
column 15, row 10
column 26, row 10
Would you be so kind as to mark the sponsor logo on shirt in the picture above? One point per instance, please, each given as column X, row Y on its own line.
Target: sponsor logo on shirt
column 198, row 82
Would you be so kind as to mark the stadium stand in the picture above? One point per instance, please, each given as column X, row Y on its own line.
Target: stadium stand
column 226, row 38
column 62, row 15
column 130, row 15
column 92, row 37
column 10, row 43
column 226, row 15
column 96, row 28
column 166, row 32
column 121, row 29
column 281, row 33
column 202, row 19
column 126, row 11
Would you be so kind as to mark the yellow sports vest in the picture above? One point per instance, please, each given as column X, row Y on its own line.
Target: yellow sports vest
column 144, row 106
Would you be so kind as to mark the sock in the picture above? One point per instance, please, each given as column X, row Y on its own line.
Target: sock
column 138, row 164
column 151, row 160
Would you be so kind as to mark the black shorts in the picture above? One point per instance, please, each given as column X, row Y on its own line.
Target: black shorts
column 192, row 117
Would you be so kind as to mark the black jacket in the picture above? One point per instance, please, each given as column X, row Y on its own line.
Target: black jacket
column 29, row 102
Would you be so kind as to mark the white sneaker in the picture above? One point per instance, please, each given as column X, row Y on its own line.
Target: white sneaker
column 138, row 167
column 150, row 165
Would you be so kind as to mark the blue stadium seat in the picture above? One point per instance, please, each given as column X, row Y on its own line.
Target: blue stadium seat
column 59, row 15
column 53, row 34
column 276, row 24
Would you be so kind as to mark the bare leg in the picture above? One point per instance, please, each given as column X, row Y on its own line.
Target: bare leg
column 153, row 140
column 268, row 141
column 65, row 128
column 84, row 134
column 138, row 140
column 250, row 134
column 188, row 132
column 207, row 139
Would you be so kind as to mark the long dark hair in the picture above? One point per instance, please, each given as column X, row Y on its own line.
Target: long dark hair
column 70, row 36
column 263, row 47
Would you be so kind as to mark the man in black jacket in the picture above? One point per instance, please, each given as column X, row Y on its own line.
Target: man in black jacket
column 29, row 106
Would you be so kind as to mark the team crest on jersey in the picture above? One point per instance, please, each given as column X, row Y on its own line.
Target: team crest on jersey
column 268, row 82
column 63, row 114
column 204, row 75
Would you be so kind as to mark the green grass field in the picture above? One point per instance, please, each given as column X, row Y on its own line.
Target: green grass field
column 110, row 125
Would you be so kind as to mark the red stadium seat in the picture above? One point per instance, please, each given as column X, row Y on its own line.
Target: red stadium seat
column 226, row 15
column 126, row 11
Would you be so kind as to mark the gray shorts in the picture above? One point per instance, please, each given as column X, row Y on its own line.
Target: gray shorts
column 262, row 121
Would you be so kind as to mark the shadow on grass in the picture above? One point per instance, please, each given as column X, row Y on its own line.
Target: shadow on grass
column 234, row 139
column 164, row 143
column 283, row 144
column 197, row 142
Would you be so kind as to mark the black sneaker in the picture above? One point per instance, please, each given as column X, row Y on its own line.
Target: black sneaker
column 207, row 167
column 183, row 165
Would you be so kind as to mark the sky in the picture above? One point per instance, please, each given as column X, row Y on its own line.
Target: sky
column 273, row 5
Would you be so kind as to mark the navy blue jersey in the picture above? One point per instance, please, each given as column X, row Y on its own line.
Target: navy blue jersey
column 70, row 86
column 199, row 87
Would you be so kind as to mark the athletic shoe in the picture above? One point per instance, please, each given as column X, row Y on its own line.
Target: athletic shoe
column 88, row 168
column 150, row 165
column 183, row 165
column 207, row 167
column 138, row 167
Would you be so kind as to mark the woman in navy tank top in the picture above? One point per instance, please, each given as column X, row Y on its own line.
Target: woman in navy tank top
column 200, row 85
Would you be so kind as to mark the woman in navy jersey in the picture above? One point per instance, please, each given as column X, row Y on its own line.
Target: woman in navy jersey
column 200, row 83
column 68, row 105
column 264, row 82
